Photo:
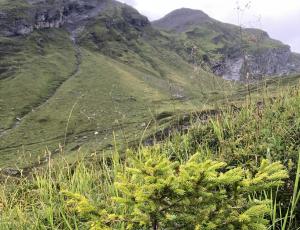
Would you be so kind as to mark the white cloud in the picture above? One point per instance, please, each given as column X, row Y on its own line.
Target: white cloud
column 280, row 18
column 129, row 2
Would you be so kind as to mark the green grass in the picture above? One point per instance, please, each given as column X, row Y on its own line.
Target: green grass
column 81, row 106
column 116, row 80
column 37, row 73
column 108, row 94
column 240, row 138
column 13, row 4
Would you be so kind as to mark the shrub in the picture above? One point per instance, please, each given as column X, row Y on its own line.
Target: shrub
column 153, row 192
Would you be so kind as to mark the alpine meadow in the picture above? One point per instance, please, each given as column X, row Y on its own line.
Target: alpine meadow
column 112, row 120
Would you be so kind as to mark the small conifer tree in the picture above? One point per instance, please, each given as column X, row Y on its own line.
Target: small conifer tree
column 154, row 192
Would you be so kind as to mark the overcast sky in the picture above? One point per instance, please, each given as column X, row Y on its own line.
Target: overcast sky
column 281, row 19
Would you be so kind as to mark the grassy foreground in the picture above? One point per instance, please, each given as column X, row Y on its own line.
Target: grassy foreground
column 229, row 171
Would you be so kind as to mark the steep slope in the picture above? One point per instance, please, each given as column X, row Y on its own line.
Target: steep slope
column 227, row 50
column 22, row 17
column 77, row 81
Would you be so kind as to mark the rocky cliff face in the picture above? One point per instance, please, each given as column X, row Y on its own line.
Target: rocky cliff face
column 34, row 15
column 220, row 47
column 206, row 40
column 268, row 62
column 274, row 61
column 71, row 14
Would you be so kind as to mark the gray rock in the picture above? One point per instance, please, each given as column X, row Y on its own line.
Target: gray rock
column 11, row 172
column 269, row 62
column 233, row 69
column 71, row 14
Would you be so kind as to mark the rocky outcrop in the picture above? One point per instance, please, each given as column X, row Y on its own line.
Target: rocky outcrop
column 261, row 56
column 232, row 69
column 230, row 51
column 71, row 14
column 23, row 20
column 267, row 62
column 11, row 172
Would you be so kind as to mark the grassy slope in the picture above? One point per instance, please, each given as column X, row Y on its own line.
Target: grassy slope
column 11, row 4
column 123, row 80
column 37, row 73
column 240, row 139
column 117, row 81
column 105, row 94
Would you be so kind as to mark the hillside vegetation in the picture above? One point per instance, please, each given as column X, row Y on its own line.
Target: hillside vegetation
column 229, row 171
column 106, row 95
column 77, row 74
column 109, row 121
column 113, row 78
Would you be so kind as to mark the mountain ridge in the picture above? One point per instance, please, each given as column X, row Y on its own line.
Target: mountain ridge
column 186, row 17
column 221, row 56
column 242, row 49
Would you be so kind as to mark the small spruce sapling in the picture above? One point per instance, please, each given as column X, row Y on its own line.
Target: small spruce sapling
column 157, row 193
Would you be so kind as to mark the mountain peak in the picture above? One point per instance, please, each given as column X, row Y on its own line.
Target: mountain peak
column 187, row 11
column 180, row 19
